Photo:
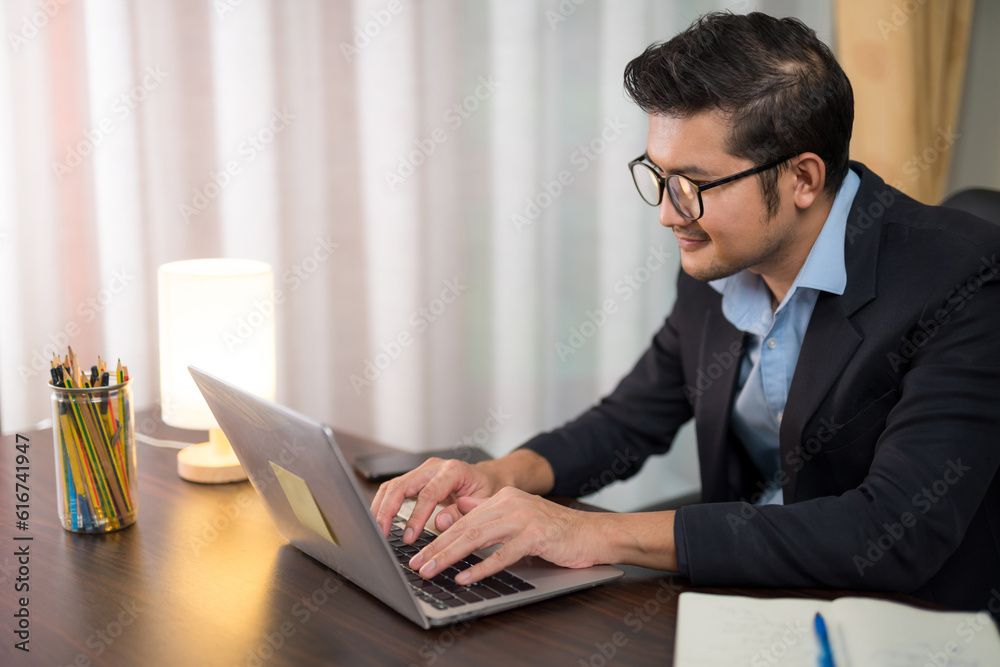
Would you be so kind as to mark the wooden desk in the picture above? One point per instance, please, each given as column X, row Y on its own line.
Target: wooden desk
column 204, row 578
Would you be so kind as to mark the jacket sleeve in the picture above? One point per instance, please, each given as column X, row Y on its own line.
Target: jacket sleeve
column 640, row 417
column 933, row 466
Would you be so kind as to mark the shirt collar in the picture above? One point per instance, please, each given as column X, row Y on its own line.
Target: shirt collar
column 824, row 268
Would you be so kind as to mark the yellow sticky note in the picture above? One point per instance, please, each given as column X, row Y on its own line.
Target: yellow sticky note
column 303, row 503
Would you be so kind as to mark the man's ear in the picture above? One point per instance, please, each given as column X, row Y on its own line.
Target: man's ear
column 809, row 172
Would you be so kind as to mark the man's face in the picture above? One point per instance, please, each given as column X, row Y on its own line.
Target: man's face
column 735, row 232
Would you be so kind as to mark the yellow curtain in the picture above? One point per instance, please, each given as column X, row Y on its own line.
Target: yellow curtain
column 906, row 62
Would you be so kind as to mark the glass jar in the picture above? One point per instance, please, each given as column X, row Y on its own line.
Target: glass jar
column 95, row 457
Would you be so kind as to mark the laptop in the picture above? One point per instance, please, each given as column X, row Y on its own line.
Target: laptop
column 311, row 493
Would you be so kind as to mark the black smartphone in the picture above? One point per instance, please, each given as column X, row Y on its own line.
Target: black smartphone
column 381, row 467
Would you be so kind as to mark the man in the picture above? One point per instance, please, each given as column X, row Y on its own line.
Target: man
column 833, row 340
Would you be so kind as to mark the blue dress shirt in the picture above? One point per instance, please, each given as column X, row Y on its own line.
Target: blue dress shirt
column 774, row 340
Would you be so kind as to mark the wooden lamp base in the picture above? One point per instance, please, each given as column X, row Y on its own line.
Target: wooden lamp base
column 211, row 462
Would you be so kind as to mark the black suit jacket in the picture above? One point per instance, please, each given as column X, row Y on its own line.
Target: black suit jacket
column 890, row 439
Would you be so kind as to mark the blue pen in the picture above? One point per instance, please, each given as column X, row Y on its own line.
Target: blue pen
column 825, row 651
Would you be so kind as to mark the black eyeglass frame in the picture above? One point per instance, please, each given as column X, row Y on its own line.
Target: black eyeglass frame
column 661, row 181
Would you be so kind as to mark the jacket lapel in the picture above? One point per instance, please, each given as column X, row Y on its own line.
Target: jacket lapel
column 831, row 339
column 719, row 338
column 828, row 346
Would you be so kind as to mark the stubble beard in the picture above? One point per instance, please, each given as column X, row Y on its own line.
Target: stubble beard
column 718, row 269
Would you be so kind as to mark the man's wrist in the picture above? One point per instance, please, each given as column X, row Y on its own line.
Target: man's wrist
column 522, row 469
column 644, row 539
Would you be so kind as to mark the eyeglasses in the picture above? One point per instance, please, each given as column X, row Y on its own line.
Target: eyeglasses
column 684, row 193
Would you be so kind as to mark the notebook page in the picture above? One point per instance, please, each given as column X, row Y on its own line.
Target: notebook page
column 879, row 633
column 727, row 630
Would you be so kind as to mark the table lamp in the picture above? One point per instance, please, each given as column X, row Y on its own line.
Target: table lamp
column 218, row 315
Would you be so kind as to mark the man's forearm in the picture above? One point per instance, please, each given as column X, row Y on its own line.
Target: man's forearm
column 522, row 469
column 645, row 539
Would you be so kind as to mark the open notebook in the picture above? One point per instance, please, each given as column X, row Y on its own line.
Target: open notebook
column 726, row 630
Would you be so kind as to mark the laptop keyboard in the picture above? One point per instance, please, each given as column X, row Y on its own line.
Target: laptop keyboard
column 441, row 591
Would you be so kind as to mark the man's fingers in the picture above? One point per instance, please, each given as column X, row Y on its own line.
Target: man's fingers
column 502, row 558
column 448, row 477
column 452, row 513
column 461, row 541
column 447, row 517
column 392, row 500
column 391, row 495
column 464, row 537
column 467, row 503
column 376, row 505
column 386, row 508
column 427, row 501
column 470, row 532
column 472, row 540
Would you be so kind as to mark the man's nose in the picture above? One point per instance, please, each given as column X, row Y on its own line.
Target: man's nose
column 669, row 217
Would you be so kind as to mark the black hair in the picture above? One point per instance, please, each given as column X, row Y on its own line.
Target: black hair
column 779, row 86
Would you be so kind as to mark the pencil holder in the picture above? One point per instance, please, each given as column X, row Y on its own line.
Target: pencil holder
column 95, row 457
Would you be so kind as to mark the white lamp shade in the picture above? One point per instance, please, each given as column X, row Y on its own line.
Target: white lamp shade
column 217, row 314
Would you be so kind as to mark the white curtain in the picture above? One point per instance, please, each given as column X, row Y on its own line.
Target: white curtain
column 441, row 187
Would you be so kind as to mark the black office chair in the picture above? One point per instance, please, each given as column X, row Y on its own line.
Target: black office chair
column 982, row 202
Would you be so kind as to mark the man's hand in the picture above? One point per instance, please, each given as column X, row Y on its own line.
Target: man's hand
column 434, row 482
column 524, row 525
column 437, row 481
column 494, row 502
